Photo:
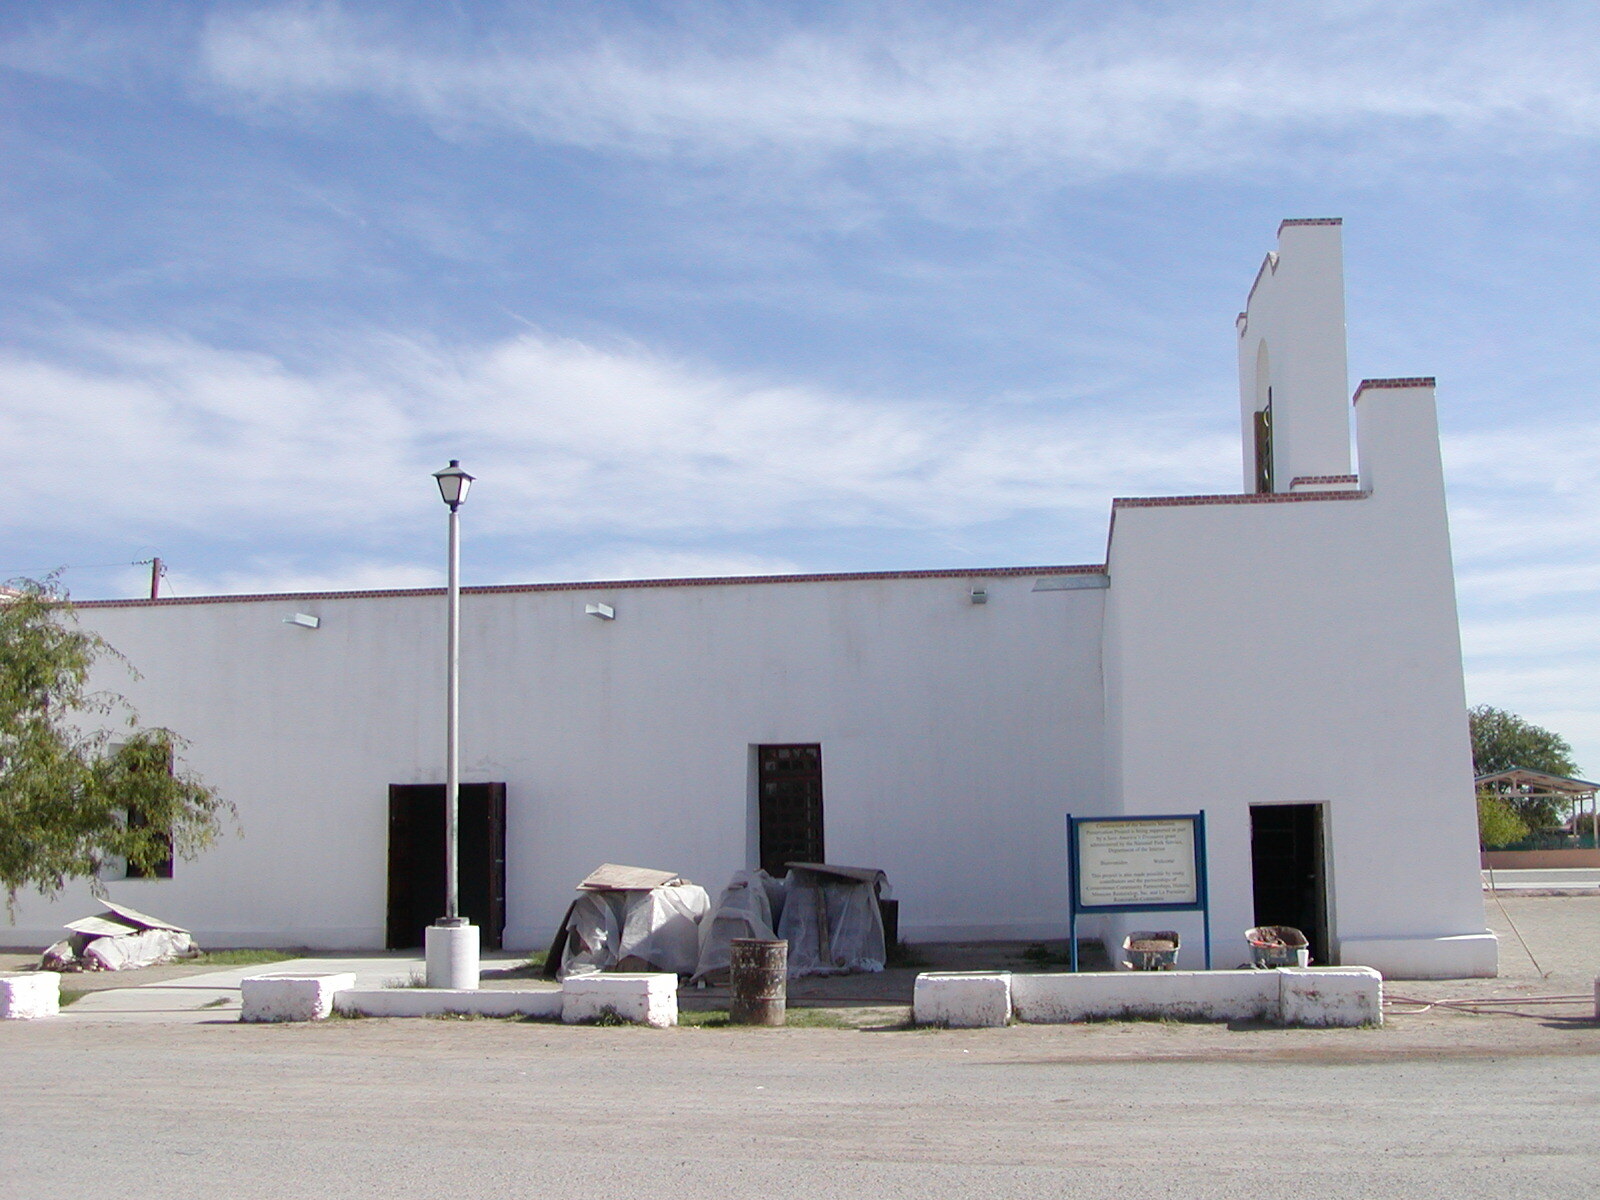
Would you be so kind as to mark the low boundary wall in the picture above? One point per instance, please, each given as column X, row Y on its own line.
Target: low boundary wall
column 448, row 1002
column 644, row 999
column 1538, row 860
column 1298, row 996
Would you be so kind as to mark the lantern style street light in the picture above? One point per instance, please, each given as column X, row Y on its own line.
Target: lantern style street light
column 451, row 942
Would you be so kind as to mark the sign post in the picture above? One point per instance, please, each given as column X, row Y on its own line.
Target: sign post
column 1138, row 864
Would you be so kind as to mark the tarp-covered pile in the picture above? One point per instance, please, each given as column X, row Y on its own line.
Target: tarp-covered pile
column 119, row 939
column 748, row 908
column 630, row 919
column 635, row 919
column 831, row 919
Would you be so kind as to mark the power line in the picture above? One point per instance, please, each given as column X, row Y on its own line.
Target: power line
column 138, row 562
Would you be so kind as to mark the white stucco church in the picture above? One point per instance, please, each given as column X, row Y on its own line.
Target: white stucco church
column 1285, row 658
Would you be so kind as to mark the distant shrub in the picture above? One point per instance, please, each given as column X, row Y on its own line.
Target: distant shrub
column 1498, row 822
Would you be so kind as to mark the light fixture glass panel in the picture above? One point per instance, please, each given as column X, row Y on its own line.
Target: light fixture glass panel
column 453, row 483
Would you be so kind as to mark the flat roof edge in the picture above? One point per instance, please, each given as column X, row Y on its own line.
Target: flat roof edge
column 600, row 584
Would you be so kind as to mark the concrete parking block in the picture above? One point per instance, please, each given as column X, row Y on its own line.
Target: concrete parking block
column 644, row 999
column 1329, row 996
column 28, row 997
column 291, row 997
column 962, row 999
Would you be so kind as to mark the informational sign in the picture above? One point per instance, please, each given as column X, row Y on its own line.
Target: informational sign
column 1137, row 863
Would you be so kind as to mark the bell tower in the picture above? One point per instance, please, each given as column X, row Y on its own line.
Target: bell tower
column 1293, row 386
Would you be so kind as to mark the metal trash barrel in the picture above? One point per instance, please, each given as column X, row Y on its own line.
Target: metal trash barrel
column 759, row 981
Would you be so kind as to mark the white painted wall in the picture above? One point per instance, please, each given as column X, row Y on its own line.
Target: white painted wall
column 1291, row 339
column 953, row 736
column 1314, row 659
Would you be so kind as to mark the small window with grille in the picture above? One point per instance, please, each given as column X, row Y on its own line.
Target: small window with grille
column 789, row 783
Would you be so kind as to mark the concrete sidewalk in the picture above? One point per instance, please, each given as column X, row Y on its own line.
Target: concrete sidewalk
column 214, row 995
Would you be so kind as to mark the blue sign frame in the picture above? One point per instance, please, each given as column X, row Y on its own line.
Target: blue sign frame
column 1201, row 902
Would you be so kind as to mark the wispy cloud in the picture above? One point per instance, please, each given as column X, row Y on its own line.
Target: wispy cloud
column 645, row 561
column 569, row 437
column 1175, row 90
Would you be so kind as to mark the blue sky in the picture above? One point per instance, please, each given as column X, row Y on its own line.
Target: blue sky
column 763, row 287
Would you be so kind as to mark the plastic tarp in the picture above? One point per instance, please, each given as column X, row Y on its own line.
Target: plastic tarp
column 120, row 939
column 654, row 930
column 831, row 921
column 744, row 910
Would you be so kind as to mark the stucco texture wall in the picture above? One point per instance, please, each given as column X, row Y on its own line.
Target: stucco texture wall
column 954, row 736
column 1305, row 652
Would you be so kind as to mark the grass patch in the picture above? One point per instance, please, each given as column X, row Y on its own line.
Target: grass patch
column 704, row 1020
column 417, row 979
column 794, row 1018
column 536, row 961
column 242, row 958
column 69, row 998
column 216, row 1003
column 816, row 1018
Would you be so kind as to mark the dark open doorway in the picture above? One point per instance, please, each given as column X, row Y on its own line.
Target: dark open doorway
column 1286, row 862
column 416, row 860
column 789, row 805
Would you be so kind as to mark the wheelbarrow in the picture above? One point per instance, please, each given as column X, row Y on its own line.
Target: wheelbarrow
column 1278, row 946
column 1151, row 950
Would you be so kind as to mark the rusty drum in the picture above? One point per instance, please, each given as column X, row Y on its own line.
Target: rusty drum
column 759, row 980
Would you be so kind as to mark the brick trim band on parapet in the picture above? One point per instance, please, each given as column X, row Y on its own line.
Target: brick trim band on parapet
column 1299, row 479
column 1234, row 498
column 1410, row 381
column 600, row 584
column 1309, row 221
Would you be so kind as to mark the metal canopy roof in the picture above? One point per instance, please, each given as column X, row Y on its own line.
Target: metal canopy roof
column 1530, row 782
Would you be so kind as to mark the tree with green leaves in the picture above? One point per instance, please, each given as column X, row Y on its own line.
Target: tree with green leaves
column 82, row 783
column 1503, row 741
column 1498, row 823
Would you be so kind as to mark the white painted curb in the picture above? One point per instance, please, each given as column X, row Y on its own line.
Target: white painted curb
column 643, row 999
column 449, row 1002
column 1181, row 995
column 31, row 996
column 1297, row 996
column 1330, row 996
column 290, row 997
column 962, row 999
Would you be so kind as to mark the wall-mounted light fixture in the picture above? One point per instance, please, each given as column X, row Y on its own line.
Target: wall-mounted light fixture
column 304, row 620
column 980, row 596
column 604, row 611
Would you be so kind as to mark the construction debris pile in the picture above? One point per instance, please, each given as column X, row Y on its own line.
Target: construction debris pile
column 119, row 939
column 637, row 919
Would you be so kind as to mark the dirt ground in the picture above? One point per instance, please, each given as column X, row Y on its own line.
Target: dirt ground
column 1470, row 1088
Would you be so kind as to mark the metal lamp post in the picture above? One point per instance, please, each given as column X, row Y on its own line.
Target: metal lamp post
column 451, row 941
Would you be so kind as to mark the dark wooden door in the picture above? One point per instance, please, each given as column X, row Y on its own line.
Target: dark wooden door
column 789, row 779
column 1286, row 861
column 416, row 860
